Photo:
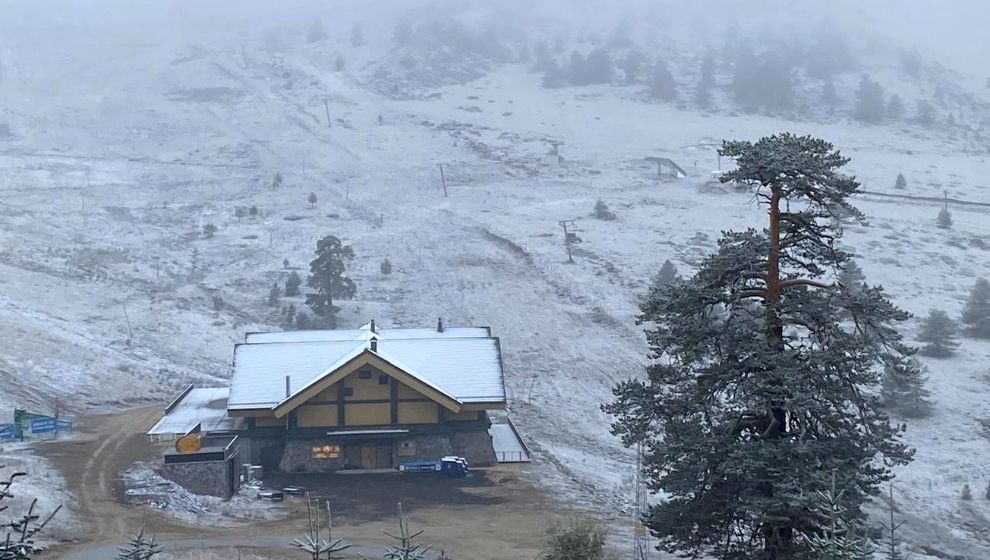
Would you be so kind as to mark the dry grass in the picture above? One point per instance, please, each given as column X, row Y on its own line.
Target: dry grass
column 223, row 554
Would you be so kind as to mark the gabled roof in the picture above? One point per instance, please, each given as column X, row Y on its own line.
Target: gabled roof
column 464, row 369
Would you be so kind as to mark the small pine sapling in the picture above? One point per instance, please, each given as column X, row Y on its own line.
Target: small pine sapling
column 292, row 284
column 209, row 230
column 218, row 303
column 274, row 293
column 602, row 211
column 313, row 542
column 253, row 211
column 311, row 199
column 139, row 548
column 285, row 263
column 386, row 268
column 288, row 320
column 944, row 219
column 967, row 493
column 406, row 549
column 901, row 182
column 277, row 180
column 836, row 539
column 891, row 549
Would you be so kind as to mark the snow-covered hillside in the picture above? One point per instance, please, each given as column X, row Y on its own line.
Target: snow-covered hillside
column 121, row 151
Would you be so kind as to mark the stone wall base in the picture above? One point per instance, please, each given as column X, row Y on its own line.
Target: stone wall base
column 210, row 478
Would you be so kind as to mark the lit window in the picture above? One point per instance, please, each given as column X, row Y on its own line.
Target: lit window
column 331, row 451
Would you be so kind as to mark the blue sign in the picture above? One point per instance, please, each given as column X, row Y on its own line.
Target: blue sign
column 43, row 425
column 7, row 431
column 64, row 425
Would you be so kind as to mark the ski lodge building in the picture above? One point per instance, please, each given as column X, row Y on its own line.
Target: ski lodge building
column 320, row 401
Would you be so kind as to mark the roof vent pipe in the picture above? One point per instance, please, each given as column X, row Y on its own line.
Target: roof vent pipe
column 374, row 344
column 440, row 324
column 287, row 385
column 373, row 326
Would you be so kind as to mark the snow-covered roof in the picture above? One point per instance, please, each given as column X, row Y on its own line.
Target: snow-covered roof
column 468, row 368
column 365, row 333
column 207, row 407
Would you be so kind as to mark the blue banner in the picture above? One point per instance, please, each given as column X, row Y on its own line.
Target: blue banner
column 7, row 431
column 43, row 425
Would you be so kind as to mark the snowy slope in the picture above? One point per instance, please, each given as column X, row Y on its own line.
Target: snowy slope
column 111, row 176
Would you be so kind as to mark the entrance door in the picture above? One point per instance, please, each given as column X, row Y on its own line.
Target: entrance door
column 369, row 457
column 384, row 456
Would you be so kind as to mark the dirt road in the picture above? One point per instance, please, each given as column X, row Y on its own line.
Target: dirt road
column 506, row 515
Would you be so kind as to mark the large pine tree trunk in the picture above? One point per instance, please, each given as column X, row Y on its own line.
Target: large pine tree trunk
column 777, row 536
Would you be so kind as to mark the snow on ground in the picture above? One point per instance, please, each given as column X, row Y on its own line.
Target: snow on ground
column 42, row 482
column 109, row 285
column 143, row 485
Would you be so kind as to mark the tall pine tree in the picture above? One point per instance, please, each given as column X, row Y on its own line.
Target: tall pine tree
column 666, row 274
column 763, row 374
column 903, row 388
column 326, row 277
column 938, row 333
column 662, row 83
column 976, row 314
column 870, row 106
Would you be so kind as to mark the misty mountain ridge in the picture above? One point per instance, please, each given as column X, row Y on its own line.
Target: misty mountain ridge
column 125, row 140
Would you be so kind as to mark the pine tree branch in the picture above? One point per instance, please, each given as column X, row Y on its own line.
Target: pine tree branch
column 805, row 282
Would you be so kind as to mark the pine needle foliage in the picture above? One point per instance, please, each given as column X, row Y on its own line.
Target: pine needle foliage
column 764, row 373
column 407, row 548
column 326, row 277
column 578, row 539
column 313, row 542
column 139, row 547
column 837, row 538
column 938, row 333
column 890, row 548
column 976, row 313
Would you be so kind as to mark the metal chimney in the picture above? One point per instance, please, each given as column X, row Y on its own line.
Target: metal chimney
column 374, row 344
column 373, row 326
column 440, row 324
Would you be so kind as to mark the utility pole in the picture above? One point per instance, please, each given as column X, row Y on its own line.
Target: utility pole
column 130, row 334
column 567, row 238
column 443, row 179
column 326, row 106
